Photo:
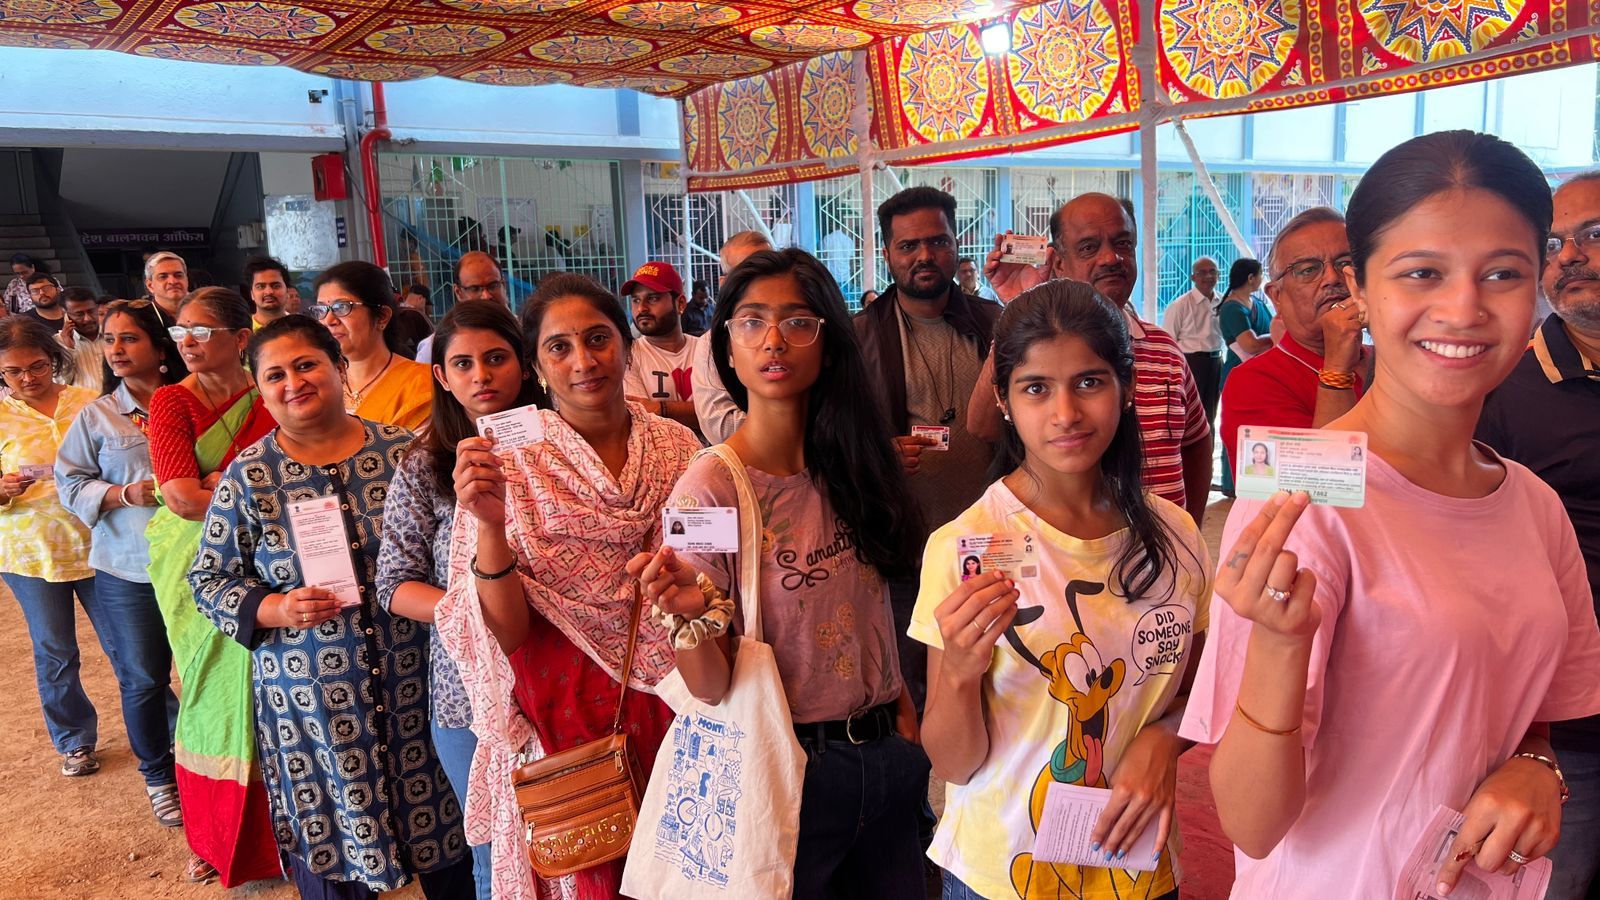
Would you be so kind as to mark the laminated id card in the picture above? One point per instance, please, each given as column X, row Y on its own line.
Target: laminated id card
column 709, row 529
column 1016, row 553
column 1024, row 249
column 512, row 428
column 1330, row 466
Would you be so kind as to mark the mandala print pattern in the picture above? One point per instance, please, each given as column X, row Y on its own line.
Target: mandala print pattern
column 1063, row 60
column 703, row 62
column 46, row 41
column 746, row 122
column 807, row 38
column 375, row 71
column 260, row 21
column 944, row 84
column 435, row 39
column 639, row 83
column 924, row 12
column 1426, row 30
column 515, row 77
column 59, row 12
column 827, row 89
column 512, row 7
column 677, row 16
column 589, row 49
column 1228, row 48
column 205, row 53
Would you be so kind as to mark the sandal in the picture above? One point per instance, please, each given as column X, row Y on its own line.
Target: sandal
column 80, row 762
column 164, row 803
column 198, row 871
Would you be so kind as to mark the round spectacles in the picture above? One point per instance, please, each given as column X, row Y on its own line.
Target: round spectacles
column 1312, row 269
column 340, row 308
column 482, row 290
column 1587, row 241
column 797, row 331
column 201, row 333
column 39, row 369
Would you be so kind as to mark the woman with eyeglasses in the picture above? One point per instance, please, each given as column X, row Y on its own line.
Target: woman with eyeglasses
column 356, row 301
column 196, row 428
column 482, row 369
column 835, row 510
column 44, row 549
column 104, row 476
column 360, row 803
column 537, row 610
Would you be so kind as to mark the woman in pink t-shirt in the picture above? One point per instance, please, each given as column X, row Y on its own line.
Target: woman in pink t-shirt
column 1381, row 662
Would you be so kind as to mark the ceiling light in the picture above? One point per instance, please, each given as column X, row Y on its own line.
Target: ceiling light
column 996, row 38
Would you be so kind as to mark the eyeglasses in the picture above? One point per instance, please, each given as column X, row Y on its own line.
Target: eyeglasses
column 481, row 290
column 340, row 308
column 201, row 333
column 799, row 331
column 40, row 369
column 1312, row 269
column 1587, row 240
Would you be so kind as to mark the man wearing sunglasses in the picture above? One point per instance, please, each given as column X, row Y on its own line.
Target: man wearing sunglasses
column 662, row 362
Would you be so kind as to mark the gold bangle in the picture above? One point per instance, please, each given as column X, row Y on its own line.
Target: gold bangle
column 1251, row 721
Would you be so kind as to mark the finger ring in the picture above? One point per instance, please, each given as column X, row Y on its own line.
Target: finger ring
column 1338, row 306
column 977, row 626
column 305, row 617
column 1277, row 595
column 1518, row 858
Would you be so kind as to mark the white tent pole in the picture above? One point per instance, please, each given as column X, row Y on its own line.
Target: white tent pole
column 1150, row 110
column 861, row 124
column 1210, row 188
column 761, row 224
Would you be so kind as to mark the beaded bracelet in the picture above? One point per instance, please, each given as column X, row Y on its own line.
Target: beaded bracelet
column 686, row 633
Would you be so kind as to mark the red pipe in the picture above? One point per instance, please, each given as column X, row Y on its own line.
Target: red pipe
column 369, row 173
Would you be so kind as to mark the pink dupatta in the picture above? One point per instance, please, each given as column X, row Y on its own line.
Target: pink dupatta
column 573, row 527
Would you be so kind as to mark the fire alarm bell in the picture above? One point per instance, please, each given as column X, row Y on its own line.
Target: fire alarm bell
column 327, row 176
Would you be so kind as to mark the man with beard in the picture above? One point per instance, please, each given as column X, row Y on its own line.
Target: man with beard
column 1094, row 239
column 268, row 280
column 718, row 415
column 662, row 361
column 924, row 342
column 1317, row 372
column 166, row 277
column 1546, row 415
column 45, row 292
column 81, row 337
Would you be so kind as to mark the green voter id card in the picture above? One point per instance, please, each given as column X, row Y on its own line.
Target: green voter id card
column 1330, row 466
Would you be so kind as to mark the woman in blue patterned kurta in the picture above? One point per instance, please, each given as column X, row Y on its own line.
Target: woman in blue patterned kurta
column 359, row 801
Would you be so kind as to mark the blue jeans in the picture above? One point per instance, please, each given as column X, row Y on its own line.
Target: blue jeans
column 955, row 889
column 454, row 747
column 52, row 627
column 859, row 810
column 131, row 629
column 1577, row 856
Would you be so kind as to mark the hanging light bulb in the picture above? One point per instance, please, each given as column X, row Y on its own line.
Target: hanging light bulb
column 996, row 38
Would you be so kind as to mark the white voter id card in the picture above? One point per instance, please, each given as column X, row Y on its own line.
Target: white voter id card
column 512, row 428
column 1016, row 553
column 1331, row 466
column 939, row 434
column 1024, row 249
column 319, row 539
column 710, row 529
column 39, row 472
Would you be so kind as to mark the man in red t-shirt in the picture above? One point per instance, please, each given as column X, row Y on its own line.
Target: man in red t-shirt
column 1317, row 371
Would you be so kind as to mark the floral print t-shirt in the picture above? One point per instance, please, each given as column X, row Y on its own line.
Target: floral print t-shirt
column 825, row 613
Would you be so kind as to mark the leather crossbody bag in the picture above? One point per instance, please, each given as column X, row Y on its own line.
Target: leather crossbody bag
column 579, row 806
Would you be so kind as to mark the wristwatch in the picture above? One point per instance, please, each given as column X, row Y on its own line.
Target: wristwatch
column 1554, row 767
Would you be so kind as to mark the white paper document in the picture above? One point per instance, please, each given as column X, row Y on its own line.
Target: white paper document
column 319, row 539
column 1066, row 831
column 711, row 529
column 512, row 428
column 1420, row 876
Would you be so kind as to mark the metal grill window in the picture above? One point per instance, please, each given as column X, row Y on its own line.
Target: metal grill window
column 1188, row 227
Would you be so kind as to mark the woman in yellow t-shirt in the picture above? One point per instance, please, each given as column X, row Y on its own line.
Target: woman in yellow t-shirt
column 356, row 301
column 1073, row 645
column 44, row 550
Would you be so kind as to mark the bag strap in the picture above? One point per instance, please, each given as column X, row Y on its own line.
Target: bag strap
column 627, row 658
column 750, row 525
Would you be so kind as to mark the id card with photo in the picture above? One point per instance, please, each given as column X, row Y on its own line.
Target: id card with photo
column 1015, row 553
column 39, row 472
column 319, row 538
column 939, row 434
column 709, row 529
column 512, row 428
column 1330, row 466
column 1023, row 249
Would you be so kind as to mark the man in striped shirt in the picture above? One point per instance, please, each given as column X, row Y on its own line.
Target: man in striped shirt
column 1093, row 238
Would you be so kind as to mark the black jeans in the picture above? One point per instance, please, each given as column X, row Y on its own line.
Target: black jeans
column 859, row 812
column 1207, row 369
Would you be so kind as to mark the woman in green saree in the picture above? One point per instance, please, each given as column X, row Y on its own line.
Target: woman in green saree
column 197, row 426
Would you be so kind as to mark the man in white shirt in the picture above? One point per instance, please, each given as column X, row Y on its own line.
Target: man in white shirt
column 1192, row 322
column 477, row 277
column 662, row 359
column 719, row 416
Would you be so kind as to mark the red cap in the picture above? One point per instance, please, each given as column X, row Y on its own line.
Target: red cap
column 656, row 276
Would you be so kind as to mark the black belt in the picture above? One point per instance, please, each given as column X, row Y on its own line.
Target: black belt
column 863, row 727
column 1214, row 354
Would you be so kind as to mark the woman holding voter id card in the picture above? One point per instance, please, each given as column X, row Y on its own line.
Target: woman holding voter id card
column 1373, row 665
column 44, row 550
column 1056, row 677
column 834, row 505
column 537, row 610
column 286, row 568
column 482, row 369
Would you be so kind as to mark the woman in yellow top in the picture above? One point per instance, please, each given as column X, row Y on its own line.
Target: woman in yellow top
column 44, row 550
column 356, row 301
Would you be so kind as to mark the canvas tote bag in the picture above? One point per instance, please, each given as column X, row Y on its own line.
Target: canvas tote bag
column 721, row 812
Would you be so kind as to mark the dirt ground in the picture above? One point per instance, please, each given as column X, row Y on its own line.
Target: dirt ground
column 94, row 838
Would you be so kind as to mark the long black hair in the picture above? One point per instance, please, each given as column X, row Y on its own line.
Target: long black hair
column 1064, row 307
column 1241, row 272
column 449, row 423
column 144, row 317
column 847, row 445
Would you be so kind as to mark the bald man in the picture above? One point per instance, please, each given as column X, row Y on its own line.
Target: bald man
column 478, row 277
column 719, row 416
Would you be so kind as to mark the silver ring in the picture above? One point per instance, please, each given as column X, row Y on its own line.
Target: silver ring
column 1339, row 305
column 1519, row 859
column 1277, row 595
column 977, row 626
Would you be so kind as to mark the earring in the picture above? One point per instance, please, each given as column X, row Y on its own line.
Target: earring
column 543, row 386
column 163, row 369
